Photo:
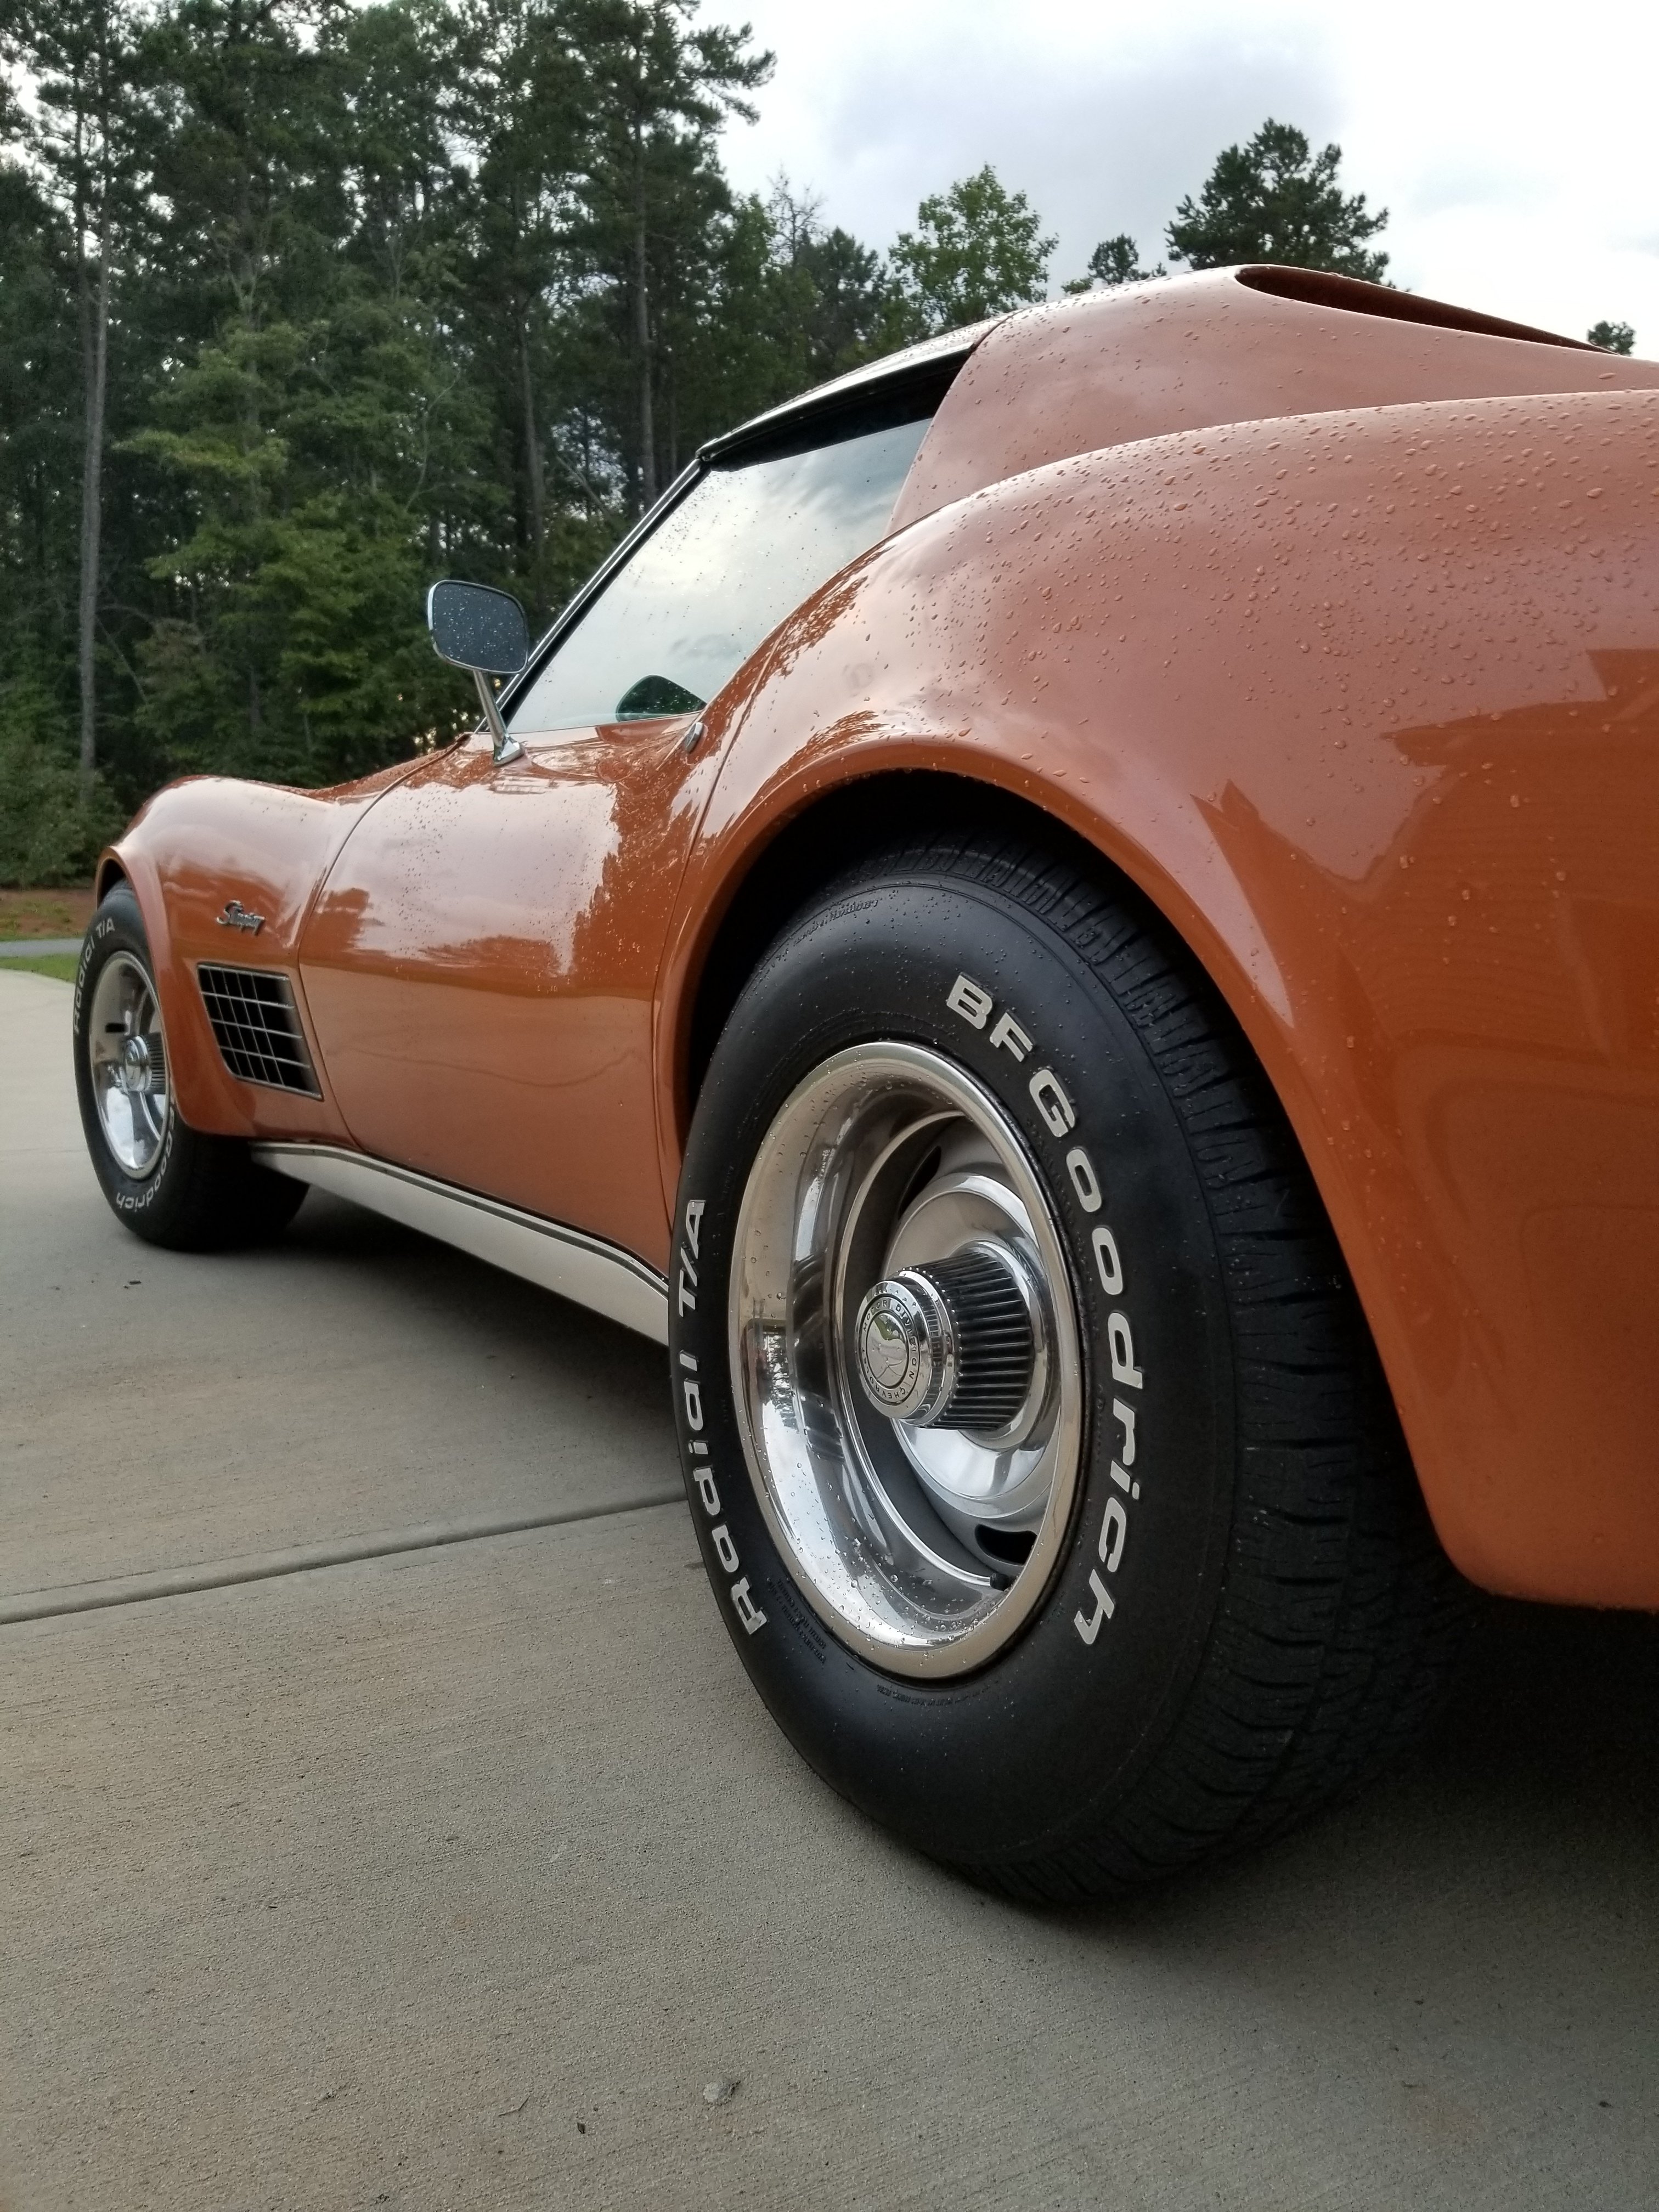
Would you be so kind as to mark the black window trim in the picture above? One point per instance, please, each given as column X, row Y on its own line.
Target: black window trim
column 927, row 370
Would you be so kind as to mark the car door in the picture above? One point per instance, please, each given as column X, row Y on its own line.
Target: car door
column 481, row 966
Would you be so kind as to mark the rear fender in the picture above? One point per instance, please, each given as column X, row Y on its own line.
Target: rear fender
column 1368, row 705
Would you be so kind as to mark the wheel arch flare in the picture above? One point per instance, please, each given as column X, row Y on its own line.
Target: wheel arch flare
column 1297, row 684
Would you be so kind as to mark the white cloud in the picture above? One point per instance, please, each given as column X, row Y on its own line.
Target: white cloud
column 1513, row 145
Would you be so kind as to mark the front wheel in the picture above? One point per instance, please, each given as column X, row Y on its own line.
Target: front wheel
column 170, row 1184
column 1036, row 1445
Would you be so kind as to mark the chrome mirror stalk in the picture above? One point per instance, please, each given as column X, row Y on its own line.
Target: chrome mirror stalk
column 475, row 626
column 504, row 746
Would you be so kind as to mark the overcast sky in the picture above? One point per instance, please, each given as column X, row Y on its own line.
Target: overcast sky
column 1517, row 147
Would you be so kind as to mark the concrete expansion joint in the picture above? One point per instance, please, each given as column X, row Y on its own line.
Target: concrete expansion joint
column 306, row 1558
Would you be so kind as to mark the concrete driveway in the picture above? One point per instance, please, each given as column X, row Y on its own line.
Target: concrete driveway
column 356, row 1854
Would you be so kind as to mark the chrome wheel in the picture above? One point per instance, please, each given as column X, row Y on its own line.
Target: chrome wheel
column 127, row 1058
column 906, row 1360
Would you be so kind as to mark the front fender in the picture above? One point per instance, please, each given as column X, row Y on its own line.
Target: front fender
column 196, row 845
column 1368, row 704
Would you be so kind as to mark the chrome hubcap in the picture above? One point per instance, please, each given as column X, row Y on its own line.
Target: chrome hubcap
column 955, row 1344
column 906, row 1359
column 128, row 1057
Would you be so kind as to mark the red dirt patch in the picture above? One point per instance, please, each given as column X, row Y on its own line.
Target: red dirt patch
column 44, row 913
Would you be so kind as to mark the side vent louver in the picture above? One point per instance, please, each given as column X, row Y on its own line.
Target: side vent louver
column 258, row 1033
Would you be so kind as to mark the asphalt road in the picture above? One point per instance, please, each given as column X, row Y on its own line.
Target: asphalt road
column 453, row 1873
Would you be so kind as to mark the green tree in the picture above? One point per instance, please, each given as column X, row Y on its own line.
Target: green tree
column 81, row 57
column 1614, row 338
column 52, row 818
column 520, row 107
column 397, row 290
column 293, row 645
column 977, row 249
column 835, row 302
column 1116, row 261
column 661, row 92
column 39, row 437
column 1275, row 199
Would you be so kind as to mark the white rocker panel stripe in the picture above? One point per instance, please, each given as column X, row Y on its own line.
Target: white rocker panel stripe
column 578, row 1266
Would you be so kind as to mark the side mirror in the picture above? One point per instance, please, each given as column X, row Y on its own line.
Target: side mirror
column 473, row 626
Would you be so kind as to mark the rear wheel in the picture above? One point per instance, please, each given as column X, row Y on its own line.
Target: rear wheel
column 169, row 1183
column 1035, row 1440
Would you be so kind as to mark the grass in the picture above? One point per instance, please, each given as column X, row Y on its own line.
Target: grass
column 60, row 966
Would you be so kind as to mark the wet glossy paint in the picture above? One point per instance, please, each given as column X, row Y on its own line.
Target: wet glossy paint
column 194, row 846
column 481, row 968
column 1367, row 702
column 1104, row 368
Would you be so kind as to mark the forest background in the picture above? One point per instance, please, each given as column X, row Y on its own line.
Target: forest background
column 303, row 304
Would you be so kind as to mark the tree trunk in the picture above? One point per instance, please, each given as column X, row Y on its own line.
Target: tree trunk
column 533, row 451
column 94, row 366
column 643, row 336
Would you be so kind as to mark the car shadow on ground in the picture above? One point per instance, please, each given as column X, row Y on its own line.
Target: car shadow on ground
column 487, row 1304
column 1483, row 1916
column 1553, row 1717
column 1496, row 1886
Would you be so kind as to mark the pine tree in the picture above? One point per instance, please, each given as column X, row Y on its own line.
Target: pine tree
column 1114, row 262
column 520, row 107
column 389, row 291
column 834, row 300
column 662, row 91
column 1615, row 337
column 1275, row 199
column 81, row 56
column 52, row 817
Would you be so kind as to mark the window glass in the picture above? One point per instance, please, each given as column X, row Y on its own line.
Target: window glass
column 748, row 543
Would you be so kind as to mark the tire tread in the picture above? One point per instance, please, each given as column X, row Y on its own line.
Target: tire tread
column 1340, row 1617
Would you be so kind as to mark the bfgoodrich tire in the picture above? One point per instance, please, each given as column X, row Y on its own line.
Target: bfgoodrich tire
column 170, row 1184
column 977, row 1127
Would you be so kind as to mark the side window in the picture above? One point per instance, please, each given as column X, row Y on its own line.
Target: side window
column 749, row 542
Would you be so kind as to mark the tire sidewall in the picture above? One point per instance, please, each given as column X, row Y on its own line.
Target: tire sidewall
column 1018, row 1756
column 147, row 1203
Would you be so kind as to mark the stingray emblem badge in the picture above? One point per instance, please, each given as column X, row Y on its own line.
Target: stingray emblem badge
column 236, row 917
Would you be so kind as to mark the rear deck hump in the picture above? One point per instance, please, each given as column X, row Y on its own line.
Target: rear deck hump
column 1228, row 345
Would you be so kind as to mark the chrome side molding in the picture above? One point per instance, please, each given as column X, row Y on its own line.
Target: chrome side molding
column 585, row 1269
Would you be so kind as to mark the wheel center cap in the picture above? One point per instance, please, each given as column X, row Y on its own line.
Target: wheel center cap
column 133, row 1071
column 891, row 1351
column 903, row 1348
column 953, row 1340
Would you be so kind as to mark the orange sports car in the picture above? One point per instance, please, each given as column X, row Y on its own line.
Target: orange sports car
column 1073, row 923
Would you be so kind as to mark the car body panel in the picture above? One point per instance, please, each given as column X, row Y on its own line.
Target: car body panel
column 1366, row 703
column 1373, row 718
column 1109, row 367
column 482, row 965
column 196, row 845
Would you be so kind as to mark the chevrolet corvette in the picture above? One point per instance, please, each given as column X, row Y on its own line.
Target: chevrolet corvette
column 1072, row 924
